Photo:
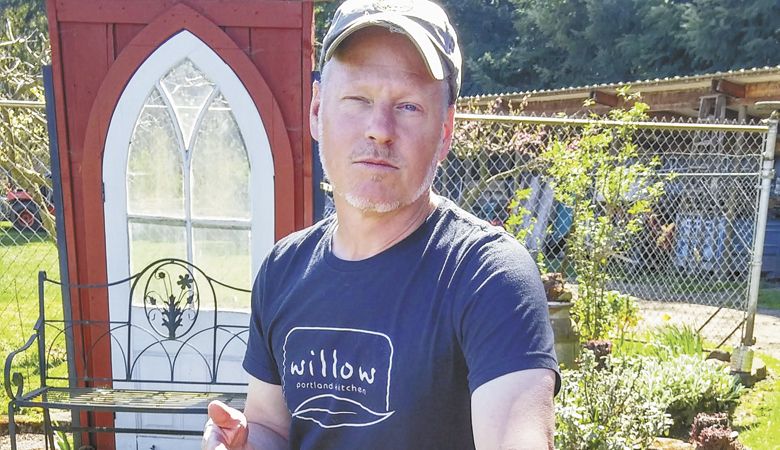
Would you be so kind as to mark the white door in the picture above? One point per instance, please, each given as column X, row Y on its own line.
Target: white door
column 187, row 173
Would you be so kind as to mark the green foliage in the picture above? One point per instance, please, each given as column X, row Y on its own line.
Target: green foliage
column 604, row 409
column 521, row 45
column 29, row 14
column 24, row 152
column 323, row 13
column 633, row 399
column 578, row 42
column 687, row 385
column 610, row 189
column 753, row 33
column 63, row 441
column 19, row 305
column 664, row 342
column 678, row 377
column 769, row 296
column 669, row 341
column 485, row 29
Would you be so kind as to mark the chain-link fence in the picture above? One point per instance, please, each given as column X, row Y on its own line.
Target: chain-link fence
column 690, row 260
column 26, row 213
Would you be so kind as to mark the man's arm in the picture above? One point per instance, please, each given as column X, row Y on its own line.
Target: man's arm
column 264, row 425
column 267, row 415
column 515, row 411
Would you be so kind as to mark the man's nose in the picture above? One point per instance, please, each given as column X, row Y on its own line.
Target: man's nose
column 381, row 125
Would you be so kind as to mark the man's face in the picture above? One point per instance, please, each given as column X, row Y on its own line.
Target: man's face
column 382, row 122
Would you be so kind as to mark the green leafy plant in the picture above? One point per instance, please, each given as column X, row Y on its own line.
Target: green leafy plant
column 671, row 340
column 610, row 188
column 602, row 408
column 687, row 385
column 521, row 224
column 624, row 402
column 63, row 441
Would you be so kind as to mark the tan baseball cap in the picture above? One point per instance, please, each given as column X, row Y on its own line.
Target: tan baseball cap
column 425, row 22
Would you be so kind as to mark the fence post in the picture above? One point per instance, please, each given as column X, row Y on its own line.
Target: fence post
column 758, row 242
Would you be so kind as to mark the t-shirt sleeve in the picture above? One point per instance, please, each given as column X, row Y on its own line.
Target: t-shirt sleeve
column 501, row 314
column 259, row 360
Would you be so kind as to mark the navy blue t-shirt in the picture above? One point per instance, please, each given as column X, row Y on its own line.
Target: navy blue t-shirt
column 384, row 353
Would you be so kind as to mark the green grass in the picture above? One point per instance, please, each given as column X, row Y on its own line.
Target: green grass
column 758, row 415
column 22, row 255
column 769, row 296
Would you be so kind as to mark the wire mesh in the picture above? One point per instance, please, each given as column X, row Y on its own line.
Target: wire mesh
column 26, row 216
column 690, row 261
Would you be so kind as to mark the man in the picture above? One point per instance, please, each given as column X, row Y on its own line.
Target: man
column 401, row 322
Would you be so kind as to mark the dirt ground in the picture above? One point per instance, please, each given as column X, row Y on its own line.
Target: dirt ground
column 23, row 442
column 767, row 333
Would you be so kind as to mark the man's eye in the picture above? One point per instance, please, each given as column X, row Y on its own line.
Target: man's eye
column 409, row 107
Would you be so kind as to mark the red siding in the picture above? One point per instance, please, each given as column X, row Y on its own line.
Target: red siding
column 241, row 37
column 233, row 13
column 123, row 34
column 280, row 65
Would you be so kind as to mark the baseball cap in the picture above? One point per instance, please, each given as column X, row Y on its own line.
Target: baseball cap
column 423, row 21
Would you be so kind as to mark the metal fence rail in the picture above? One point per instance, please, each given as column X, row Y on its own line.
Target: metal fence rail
column 694, row 258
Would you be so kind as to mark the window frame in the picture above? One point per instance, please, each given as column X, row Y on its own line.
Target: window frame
column 174, row 51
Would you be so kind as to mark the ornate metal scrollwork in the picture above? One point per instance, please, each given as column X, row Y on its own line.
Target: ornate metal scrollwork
column 171, row 307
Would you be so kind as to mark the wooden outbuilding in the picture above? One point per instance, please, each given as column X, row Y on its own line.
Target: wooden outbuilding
column 182, row 130
column 724, row 95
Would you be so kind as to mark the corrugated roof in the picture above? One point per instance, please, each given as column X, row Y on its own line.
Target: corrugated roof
column 756, row 74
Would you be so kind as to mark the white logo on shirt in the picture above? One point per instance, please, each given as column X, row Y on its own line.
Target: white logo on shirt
column 338, row 377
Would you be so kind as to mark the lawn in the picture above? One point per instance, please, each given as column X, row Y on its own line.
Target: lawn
column 758, row 414
column 22, row 255
column 769, row 296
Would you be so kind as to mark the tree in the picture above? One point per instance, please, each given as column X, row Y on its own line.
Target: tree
column 727, row 34
column 323, row 13
column 24, row 50
column 484, row 28
column 561, row 43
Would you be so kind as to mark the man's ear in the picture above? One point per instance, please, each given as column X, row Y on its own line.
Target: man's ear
column 449, row 129
column 314, row 110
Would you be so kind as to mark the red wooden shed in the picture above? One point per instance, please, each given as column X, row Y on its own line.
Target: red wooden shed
column 183, row 130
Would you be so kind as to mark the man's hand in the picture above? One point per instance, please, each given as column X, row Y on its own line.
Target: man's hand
column 226, row 429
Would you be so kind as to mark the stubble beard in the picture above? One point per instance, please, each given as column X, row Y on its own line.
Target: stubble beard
column 368, row 205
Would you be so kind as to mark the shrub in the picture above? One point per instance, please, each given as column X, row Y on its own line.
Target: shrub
column 629, row 401
column 603, row 409
column 610, row 189
column 687, row 385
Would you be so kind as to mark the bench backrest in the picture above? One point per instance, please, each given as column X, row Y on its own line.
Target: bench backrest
column 168, row 324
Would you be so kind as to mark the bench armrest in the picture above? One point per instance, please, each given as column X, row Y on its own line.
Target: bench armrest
column 17, row 378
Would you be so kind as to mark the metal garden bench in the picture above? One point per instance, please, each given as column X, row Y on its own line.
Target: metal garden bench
column 167, row 348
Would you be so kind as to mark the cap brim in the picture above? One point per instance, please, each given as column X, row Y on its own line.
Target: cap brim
column 415, row 31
